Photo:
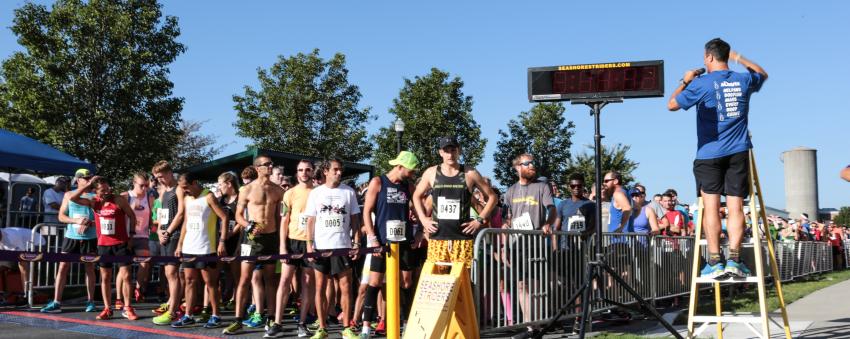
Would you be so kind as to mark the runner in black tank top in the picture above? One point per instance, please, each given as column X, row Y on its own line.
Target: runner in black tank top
column 450, row 227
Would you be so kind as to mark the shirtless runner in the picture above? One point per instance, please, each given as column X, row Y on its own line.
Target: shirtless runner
column 262, row 200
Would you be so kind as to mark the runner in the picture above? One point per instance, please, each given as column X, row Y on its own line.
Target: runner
column 80, row 238
column 141, row 202
column 451, row 229
column 228, row 187
column 293, row 240
column 388, row 197
column 261, row 199
column 332, row 213
column 111, row 215
column 170, row 218
column 198, row 239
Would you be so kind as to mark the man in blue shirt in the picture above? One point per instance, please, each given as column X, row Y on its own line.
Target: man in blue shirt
column 722, row 99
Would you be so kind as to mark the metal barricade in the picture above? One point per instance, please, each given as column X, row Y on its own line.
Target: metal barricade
column 42, row 275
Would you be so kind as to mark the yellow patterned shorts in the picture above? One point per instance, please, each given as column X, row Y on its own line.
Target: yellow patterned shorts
column 450, row 251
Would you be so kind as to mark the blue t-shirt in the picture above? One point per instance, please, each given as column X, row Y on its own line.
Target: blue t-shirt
column 723, row 102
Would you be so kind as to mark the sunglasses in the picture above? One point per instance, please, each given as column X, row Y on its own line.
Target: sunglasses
column 575, row 186
column 637, row 194
column 607, row 180
column 305, row 169
column 267, row 164
column 527, row 163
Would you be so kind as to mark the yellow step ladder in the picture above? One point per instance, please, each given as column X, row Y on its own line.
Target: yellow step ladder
column 720, row 317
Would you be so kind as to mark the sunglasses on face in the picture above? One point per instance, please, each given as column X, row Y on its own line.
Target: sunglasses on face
column 607, row 180
column 305, row 169
column 267, row 164
column 527, row 164
column 575, row 186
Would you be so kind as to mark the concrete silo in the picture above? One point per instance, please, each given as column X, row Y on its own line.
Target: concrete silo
column 801, row 182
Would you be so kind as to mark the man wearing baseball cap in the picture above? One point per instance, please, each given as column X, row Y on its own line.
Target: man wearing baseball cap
column 451, row 228
column 80, row 238
column 388, row 197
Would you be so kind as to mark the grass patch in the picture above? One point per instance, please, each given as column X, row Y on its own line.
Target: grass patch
column 747, row 300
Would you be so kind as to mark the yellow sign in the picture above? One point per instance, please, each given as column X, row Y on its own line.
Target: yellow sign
column 443, row 306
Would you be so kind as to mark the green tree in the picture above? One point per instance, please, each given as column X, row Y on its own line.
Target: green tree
column 92, row 81
column 843, row 217
column 542, row 132
column 305, row 105
column 194, row 148
column 613, row 158
column 431, row 106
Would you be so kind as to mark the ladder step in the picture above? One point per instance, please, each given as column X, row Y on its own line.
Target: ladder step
column 727, row 319
column 708, row 280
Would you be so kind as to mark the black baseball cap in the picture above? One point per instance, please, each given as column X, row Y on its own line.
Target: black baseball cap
column 448, row 141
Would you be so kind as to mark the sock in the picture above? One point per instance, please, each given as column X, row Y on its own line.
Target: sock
column 406, row 300
column 735, row 254
column 365, row 330
column 713, row 258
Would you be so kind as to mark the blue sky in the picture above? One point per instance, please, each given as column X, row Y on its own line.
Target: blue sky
column 490, row 45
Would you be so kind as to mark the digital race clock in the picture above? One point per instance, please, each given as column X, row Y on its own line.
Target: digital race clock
column 638, row 79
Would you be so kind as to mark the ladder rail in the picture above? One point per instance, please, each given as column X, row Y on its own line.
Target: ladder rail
column 757, row 233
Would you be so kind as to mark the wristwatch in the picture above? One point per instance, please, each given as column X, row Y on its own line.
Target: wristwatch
column 480, row 220
column 683, row 83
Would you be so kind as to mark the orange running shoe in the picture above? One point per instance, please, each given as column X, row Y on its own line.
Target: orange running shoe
column 129, row 313
column 119, row 305
column 105, row 314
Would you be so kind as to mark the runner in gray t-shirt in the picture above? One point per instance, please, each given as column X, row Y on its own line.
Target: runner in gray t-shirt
column 529, row 203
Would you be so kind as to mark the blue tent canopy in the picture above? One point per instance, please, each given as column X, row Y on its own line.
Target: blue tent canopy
column 20, row 153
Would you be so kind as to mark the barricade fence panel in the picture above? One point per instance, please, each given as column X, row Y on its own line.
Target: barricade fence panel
column 42, row 275
column 523, row 277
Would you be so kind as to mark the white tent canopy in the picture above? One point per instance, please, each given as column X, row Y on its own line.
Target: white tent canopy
column 22, row 177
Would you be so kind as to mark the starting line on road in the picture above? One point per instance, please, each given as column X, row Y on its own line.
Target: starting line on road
column 91, row 326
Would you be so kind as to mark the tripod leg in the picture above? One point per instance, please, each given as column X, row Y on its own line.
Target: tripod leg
column 564, row 309
column 590, row 275
column 643, row 303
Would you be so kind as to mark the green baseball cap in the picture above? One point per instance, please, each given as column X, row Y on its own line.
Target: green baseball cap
column 82, row 173
column 406, row 159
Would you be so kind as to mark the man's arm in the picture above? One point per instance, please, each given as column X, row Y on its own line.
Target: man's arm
column 623, row 203
column 689, row 76
column 419, row 197
column 125, row 206
column 653, row 220
column 751, row 66
column 477, row 181
column 77, row 196
column 178, row 217
column 241, row 205
column 63, row 211
column 369, row 206
column 285, row 217
column 845, row 173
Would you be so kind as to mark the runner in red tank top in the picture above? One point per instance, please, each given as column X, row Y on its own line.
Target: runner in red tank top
column 111, row 212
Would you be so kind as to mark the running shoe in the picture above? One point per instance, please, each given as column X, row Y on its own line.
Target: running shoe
column 164, row 319
column 314, row 326
column 119, row 305
column 231, row 305
column 715, row 271
column 105, row 314
column 365, row 336
column 234, row 328
column 251, row 309
column 161, row 309
column 90, row 306
column 205, row 315
column 129, row 313
column 52, row 307
column 255, row 321
column 303, row 332
column 347, row 333
column 737, row 269
column 320, row 334
column 184, row 321
column 214, row 322
column 381, row 328
column 274, row 331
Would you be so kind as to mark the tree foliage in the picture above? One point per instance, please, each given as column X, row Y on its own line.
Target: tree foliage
column 305, row 105
column 613, row 158
column 92, row 81
column 431, row 106
column 194, row 148
column 542, row 132
column 843, row 217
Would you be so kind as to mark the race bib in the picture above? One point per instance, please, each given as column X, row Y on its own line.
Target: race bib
column 395, row 230
column 333, row 221
column 107, row 226
column 448, row 209
column 302, row 222
column 575, row 223
column 194, row 223
column 162, row 216
column 77, row 227
column 245, row 250
column 523, row 222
